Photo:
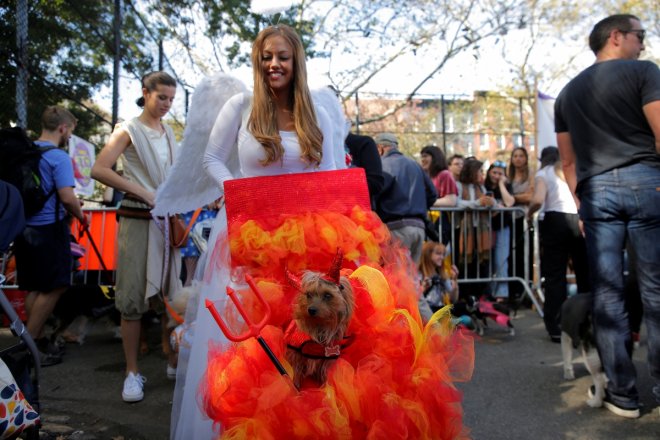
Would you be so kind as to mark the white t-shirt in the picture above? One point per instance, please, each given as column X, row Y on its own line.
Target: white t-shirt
column 159, row 141
column 231, row 128
column 558, row 196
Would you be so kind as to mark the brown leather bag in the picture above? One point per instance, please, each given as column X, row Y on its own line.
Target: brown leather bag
column 179, row 230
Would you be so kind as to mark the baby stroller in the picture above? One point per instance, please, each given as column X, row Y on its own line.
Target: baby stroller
column 21, row 358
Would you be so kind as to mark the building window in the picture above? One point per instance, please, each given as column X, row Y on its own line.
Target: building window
column 484, row 142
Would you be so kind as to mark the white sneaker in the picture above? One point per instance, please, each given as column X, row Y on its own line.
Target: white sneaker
column 171, row 372
column 133, row 385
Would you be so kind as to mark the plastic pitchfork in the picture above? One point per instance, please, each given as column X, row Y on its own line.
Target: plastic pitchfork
column 254, row 330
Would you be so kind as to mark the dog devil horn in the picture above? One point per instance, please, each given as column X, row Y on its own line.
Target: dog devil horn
column 294, row 281
column 333, row 272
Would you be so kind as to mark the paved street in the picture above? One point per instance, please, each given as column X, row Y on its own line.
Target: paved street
column 517, row 392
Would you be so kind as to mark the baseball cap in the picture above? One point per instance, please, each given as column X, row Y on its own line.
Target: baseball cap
column 386, row 139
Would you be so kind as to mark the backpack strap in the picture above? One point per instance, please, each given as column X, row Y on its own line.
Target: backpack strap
column 53, row 190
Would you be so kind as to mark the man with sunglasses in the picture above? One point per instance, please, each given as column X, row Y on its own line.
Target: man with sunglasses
column 607, row 121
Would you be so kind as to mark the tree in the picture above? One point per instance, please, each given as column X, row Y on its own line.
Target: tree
column 207, row 35
column 69, row 57
column 357, row 39
column 383, row 33
column 552, row 47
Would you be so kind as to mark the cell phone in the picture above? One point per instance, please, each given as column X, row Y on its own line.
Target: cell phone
column 489, row 194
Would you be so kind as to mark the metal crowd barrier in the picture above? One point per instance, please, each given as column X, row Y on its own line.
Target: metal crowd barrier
column 99, row 247
column 482, row 225
column 97, row 263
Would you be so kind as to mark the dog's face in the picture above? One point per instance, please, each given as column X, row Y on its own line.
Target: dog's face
column 323, row 309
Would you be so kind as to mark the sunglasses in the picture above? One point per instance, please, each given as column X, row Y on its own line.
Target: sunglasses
column 641, row 33
column 499, row 164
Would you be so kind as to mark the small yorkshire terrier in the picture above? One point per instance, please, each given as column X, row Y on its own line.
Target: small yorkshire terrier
column 321, row 314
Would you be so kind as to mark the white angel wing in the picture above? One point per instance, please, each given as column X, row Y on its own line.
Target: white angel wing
column 188, row 186
column 326, row 100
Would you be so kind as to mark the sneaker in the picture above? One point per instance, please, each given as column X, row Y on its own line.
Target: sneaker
column 616, row 409
column 630, row 413
column 48, row 360
column 46, row 346
column 171, row 372
column 133, row 385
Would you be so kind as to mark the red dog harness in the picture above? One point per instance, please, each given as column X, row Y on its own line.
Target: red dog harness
column 301, row 342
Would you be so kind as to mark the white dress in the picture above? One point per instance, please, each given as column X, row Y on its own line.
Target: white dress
column 230, row 147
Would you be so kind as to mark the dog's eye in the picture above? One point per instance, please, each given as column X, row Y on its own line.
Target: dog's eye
column 327, row 297
column 308, row 295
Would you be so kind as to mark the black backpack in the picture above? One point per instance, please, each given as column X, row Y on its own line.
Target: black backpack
column 12, row 219
column 19, row 165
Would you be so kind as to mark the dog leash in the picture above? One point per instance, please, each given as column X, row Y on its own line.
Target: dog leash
column 171, row 311
column 83, row 228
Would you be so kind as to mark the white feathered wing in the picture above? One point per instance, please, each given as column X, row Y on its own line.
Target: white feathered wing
column 326, row 101
column 188, row 186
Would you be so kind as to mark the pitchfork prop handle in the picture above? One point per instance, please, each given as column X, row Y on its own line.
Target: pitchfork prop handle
column 271, row 355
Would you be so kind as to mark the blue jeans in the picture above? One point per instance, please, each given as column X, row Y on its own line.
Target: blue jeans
column 501, row 262
column 619, row 204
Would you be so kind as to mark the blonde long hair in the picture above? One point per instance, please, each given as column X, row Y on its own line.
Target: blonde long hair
column 263, row 119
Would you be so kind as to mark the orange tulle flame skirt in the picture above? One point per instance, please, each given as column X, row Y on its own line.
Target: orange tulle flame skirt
column 395, row 380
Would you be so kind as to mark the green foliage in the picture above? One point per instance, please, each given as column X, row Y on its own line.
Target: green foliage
column 88, row 126
column 71, row 42
column 70, row 55
column 231, row 22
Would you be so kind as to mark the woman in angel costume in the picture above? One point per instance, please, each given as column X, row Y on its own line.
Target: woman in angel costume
column 291, row 211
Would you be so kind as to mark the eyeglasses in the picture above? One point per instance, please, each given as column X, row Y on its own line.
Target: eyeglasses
column 499, row 164
column 641, row 33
